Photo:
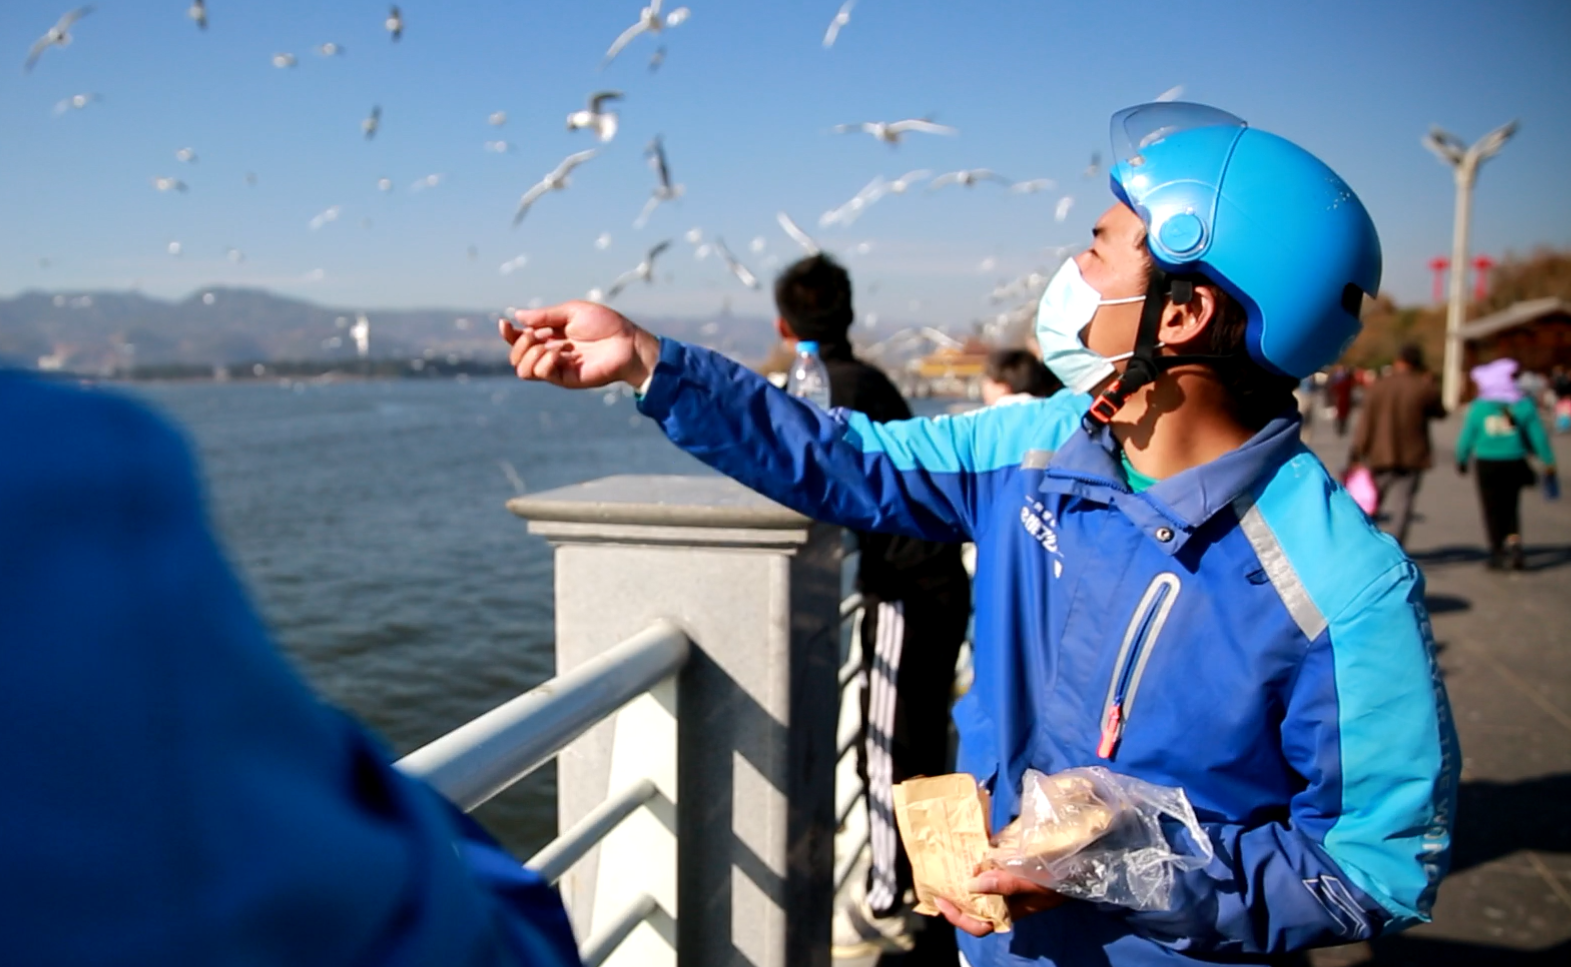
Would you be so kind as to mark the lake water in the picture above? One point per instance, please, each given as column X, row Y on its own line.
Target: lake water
column 368, row 521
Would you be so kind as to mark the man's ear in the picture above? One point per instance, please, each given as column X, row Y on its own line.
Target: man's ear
column 1186, row 328
column 783, row 329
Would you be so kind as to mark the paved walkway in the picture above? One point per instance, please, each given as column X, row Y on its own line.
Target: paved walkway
column 1505, row 649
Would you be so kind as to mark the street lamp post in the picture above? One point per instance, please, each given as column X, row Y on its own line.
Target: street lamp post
column 1465, row 162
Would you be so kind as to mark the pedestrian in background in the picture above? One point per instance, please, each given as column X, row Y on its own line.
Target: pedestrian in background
column 916, row 598
column 1016, row 376
column 1501, row 429
column 1392, row 438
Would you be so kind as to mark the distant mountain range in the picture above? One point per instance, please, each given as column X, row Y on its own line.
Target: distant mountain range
column 110, row 333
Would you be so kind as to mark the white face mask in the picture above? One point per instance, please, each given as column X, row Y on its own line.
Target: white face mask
column 1066, row 308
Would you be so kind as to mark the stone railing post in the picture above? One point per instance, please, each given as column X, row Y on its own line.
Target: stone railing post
column 746, row 766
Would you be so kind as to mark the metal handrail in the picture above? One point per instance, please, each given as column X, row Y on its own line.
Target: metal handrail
column 559, row 855
column 604, row 943
column 477, row 760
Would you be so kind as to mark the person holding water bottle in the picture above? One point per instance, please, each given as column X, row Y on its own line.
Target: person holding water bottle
column 916, row 604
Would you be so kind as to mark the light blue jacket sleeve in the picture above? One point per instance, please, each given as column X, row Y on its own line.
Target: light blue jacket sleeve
column 914, row 477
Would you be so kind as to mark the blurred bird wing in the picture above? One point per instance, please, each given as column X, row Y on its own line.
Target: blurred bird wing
column 39, row 46
column 649, row 209
column 859, row 127
column 622, row 41
column 529, row 198
column 605, row 126
column 72, row 17
column 572, row 161
column 655, row 251
column 947, row 178
column 657, row 161
column 1034, row 185
column 920, row 124
column 746, row 277
column 988, row 174
column 597, row 100
column 797, row 235
column 675, row 17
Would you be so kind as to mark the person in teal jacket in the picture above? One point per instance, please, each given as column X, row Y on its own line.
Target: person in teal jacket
column 1500, row 431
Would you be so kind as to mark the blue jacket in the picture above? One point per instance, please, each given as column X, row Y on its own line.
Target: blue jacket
column 1239, row 630
column 173, row 792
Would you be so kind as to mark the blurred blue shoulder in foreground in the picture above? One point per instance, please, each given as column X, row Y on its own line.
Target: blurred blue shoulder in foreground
column 174, row 793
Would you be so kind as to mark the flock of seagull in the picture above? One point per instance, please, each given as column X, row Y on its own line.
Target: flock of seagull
column 599, row 117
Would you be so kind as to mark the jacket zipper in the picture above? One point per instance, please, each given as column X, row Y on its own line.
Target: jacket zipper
column 1145, row 627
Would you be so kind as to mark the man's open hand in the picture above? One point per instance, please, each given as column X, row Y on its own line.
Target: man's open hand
column 1023, row 896
column 579, row 345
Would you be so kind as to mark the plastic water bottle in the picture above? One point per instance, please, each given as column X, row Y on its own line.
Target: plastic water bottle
column 809, row 380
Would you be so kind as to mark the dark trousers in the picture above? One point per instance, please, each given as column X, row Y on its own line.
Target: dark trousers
column 1398, row 489
column 909, row 650
column 1500, row 484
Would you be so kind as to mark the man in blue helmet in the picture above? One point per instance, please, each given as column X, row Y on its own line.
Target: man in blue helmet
column 1168, row 583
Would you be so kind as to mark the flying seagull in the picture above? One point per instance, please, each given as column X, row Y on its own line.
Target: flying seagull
column 797, row 235
column 644, row 270
column 649, row 21
column 967, row 177
column 394, row 23
column 841, row 19
column 596, row 116
column 187, row 155
column 329, row 49
column 284, row 60
column 76, row 102
column 555, row 180
column 372, row 122
column 57, row 36
column 663, row 192
column 497, row 119
column 169, row 184
column 737, row 268
column 890, row 132
column 657, row 58
column 198, row 12
column 1095, row 167
column 1061, row 212
column 329, row 214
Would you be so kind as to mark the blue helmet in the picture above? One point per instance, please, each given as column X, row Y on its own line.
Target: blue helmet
column 1259, row 216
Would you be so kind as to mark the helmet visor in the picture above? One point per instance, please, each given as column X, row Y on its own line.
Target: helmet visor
column 1168, row 167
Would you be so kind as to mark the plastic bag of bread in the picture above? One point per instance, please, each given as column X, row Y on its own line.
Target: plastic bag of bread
column 1095, row 835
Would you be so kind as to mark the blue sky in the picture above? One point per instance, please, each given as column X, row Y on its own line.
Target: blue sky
column 744, row 100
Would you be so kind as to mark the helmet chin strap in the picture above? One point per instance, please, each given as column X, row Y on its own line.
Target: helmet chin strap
column 1145, row 364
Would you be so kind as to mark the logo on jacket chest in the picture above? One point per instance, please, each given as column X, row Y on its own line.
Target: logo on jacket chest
column 1040, row 523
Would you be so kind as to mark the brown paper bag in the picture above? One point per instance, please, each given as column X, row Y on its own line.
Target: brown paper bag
column 943, row 822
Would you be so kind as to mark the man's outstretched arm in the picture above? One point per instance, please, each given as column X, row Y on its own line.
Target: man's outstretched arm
column 916, row 477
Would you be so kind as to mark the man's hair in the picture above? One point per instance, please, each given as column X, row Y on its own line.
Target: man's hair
column 1256, row 394
column 1022, row 372
column 813, row 296
column 1413, row 355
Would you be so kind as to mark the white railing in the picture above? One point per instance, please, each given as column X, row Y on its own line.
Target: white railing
column 482, row 758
